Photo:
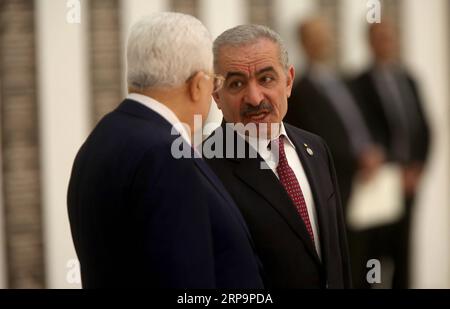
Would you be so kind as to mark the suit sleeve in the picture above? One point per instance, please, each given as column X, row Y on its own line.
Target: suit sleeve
column 174, row 220
column 346, row 269
column 423, row 136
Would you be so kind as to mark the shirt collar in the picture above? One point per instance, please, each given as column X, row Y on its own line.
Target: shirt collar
column 163, row 111
column 255, row 141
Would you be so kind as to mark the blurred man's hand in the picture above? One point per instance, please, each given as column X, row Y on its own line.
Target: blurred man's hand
column 370, row 161
column 411, row 178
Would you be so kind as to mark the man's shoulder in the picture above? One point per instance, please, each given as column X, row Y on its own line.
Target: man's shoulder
column 124, row 135
column 137, row 123
column 304, row 135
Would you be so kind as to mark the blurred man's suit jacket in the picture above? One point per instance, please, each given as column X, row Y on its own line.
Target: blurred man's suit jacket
column 393, row 110
column 311, row 109
column 374, row 101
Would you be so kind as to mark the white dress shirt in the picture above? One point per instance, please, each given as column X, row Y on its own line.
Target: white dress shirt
column 296, row 165
column 163, row 111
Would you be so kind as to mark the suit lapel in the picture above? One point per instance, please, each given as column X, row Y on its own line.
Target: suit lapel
column 265, row 183
column 314, row 174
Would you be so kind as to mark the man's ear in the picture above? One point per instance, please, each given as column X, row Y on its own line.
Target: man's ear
column 217, row 99
column 197, row 84
column 290, row 80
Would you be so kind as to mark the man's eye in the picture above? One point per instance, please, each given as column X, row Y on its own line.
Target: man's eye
column 235, row 84
column 266, row 79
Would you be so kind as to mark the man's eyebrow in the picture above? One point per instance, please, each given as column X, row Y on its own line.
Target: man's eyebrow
column 231, row 74
column 266, row 69
column 241, row 74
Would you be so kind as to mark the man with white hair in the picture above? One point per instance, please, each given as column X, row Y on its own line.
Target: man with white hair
column 139, row 216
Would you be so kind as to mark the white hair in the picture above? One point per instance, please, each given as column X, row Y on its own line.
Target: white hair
column 244, row 35
column 165, row 49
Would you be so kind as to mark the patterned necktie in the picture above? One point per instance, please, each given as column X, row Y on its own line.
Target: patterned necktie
column 292, row 187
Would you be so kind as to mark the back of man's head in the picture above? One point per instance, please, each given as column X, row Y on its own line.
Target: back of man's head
column 165, row 49
column 383, row 41
column 314, row 35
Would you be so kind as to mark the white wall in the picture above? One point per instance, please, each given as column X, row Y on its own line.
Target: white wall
column 288, row 13
column 426, row 52
column 218, row 16
column 132, row 11
column 63, row 110
column 354, row 51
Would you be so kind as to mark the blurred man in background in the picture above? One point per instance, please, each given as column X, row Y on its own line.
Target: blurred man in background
column 322, row 103
column 389, row 99
column 139, row 216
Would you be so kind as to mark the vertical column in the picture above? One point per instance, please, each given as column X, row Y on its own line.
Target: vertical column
column 330, row 9
column 354, row 52
column 20, row 146
column 288, row 14
column 426, row 51
column 448, row 115
column 219, row 16
column 132, row 11
column 261, row 12
column 3, row 268
column 448, row 108
column 185, row 6
column 106, row 52
column 65, row 119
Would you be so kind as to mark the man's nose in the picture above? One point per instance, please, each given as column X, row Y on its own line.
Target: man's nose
column 253, row 94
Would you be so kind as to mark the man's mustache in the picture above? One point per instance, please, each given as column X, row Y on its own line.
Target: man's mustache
column 249, row 110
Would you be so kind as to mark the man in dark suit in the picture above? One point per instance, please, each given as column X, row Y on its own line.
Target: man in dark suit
column 390, row 102
column 287, row 191
column 143, row 212
column 322, row 104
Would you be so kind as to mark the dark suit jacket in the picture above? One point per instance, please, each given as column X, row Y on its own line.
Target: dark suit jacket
column 139, row 217
column 311, row 110
column 282, row 241
column 371, row 105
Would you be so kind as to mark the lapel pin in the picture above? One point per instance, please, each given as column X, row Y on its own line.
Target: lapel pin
column 309, row 150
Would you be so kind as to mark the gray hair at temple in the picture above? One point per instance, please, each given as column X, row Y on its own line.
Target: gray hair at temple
column 245, row 35
column 165, row 49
